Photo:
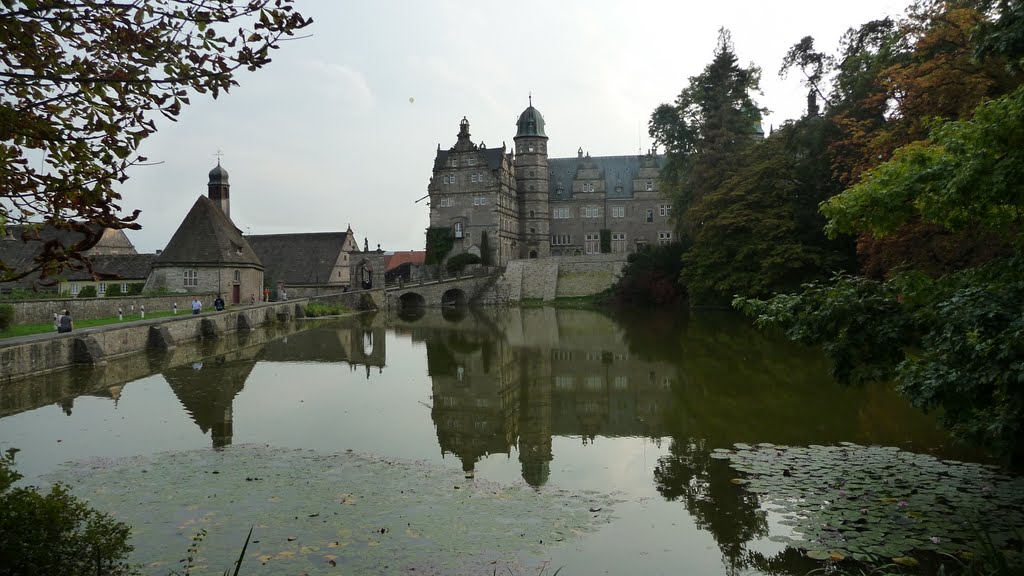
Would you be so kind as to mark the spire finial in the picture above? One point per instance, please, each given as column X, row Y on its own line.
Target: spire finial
column 530, row 96
column 218, row 154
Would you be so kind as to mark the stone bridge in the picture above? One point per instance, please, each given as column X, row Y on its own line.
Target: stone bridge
column 446, row 292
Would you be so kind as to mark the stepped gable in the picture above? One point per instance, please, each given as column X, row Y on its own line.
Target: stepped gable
column 207, row 236
column 297, row 259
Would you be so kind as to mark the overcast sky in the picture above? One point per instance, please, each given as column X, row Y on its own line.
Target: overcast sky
column 343, row 126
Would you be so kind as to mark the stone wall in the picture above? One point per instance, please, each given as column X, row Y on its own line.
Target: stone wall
column 556, row 277
column 40, row 311
column 44, row 353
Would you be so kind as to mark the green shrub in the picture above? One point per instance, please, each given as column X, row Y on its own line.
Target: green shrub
column 56, row 533
column 114, row 289
column 87, row 292
column 485, row 249
column 135, row 288
column 456, row 264
column 315, row 309
column 6, row 316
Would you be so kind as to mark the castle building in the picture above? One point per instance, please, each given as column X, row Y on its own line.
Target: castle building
column 520, row 203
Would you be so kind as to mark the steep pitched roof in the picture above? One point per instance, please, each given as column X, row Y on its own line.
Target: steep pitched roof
column 22, row 243
column 126, row 266
column 207, row 236
column 299, row 258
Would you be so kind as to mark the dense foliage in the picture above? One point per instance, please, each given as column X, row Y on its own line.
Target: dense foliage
column 55, row 533
column 456, row 264
column 87, row 292
column 651, row 276
column 82, row 84
column 951, row 334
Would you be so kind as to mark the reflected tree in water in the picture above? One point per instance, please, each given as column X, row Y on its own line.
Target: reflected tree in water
column 726, row 510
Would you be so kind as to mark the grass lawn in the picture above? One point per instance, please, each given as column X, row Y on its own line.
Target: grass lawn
column 29, row 329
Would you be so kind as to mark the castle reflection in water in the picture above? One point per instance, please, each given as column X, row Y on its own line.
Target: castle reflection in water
column 502, row 381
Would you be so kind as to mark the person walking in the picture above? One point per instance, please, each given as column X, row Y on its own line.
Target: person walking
column 197, row 306
column 65, row 323
column 218, row 303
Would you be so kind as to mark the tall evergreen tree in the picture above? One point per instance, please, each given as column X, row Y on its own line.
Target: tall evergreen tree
column 711, row 122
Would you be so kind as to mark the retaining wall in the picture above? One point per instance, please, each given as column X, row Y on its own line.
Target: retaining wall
column 556, row 277
column 43, row 353
column 40, row 311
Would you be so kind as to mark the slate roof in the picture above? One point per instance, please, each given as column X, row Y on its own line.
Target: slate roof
column 21, row 254
column 207, row 236
column 614, row 169
column 491, row 155
column 124, row 266
column 299, row 258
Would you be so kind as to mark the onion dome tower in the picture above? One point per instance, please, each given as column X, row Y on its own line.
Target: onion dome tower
column 531, row 165
column 219, row 189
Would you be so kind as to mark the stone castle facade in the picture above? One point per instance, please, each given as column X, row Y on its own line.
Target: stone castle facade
column 531, row 206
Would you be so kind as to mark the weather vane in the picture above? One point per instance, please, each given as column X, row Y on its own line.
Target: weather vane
column 218, row 154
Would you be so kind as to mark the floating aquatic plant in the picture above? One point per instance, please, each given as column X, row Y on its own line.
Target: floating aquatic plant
column 867, row 502
column 313, row 512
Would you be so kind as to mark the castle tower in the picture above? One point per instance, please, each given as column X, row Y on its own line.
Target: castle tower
column 219, row 188
column 532, row 184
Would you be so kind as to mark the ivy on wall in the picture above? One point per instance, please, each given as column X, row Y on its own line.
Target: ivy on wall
column 606, row 241
column 440, row 241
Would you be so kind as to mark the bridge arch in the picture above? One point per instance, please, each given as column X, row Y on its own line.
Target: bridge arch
column 411, row 300
column 454, row 297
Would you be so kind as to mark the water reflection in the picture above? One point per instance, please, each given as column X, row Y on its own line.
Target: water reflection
column 509, row 381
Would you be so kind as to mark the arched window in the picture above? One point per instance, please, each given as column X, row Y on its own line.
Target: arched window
column 458, row 229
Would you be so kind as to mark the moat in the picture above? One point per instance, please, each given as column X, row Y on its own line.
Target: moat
column 461, row 441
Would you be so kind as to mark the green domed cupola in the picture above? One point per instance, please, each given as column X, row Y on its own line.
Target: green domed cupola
column 531, row 123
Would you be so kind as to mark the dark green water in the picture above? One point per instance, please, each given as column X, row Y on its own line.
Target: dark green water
column 553, row 400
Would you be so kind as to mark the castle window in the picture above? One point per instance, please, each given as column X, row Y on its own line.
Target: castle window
column 618, row 242
column 531, row 213
column 479, row 200
column 458, row 229
column 472, row 178
column 591, row 243
column 664, row 209
column 238, row 277
column 471, row 162
column 561, row 212
column 650, row 215
column 618, row 211
column 590, row 212
column 664, row 237
column 531, row 173
column 650, row 186
column 191, row 278
column 530, row 148
column 444, row 179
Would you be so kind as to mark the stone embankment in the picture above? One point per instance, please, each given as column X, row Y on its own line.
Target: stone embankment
column 45, row 353
column 557, row 277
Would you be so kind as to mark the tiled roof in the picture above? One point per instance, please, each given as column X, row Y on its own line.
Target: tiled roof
column 414, row 257
column 207, row 236
column 299, row 258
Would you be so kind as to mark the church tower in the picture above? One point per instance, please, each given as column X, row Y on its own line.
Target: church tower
column 532, row 184
column 218, row 189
